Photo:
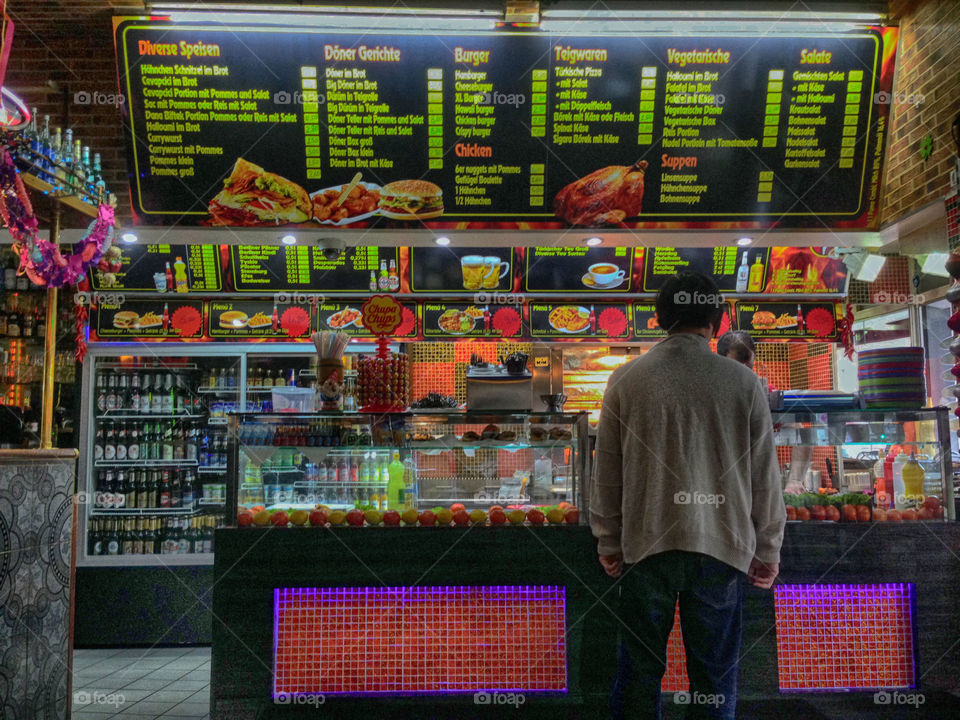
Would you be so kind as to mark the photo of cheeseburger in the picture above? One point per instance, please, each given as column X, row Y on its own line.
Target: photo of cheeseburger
column 411, row 200
column 764, row 320
column 125, row 320
column 232, row 319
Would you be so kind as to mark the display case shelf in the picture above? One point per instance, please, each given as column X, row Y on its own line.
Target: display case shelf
column 210, row 470
column 146, row 463
column 218, row 391
column 138, row 512
column 108, row 417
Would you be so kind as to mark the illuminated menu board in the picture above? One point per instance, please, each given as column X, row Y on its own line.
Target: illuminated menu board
column 270, row 268
column 571, row 321
column 261, row 319
column 149, row 319
column 239, row 125
column 578, row 269
column 807, row 320
column 154, row 267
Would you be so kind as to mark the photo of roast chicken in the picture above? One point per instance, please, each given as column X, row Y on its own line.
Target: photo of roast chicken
column 604, row 197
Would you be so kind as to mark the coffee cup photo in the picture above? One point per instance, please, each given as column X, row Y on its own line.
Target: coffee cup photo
column 605, row 273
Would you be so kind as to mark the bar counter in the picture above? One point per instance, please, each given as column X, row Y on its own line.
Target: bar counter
column 252, row 562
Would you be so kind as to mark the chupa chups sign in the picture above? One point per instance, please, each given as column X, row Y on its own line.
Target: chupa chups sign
column 381, row 315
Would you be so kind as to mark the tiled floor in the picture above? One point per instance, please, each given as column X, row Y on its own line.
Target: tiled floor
column 139, row 684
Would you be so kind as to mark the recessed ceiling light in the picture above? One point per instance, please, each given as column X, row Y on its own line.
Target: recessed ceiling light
column 593, row 241
column 289, row 240
column 129, row 237
column 444, row 240
column 744, row 241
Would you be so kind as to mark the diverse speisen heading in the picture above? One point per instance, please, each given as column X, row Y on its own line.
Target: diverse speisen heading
column 265, row 126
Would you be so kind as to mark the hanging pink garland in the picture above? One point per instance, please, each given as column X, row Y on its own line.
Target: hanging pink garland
column 41, row 260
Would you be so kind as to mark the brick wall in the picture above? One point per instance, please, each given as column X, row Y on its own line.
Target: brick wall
column 927, row 65
column 78, row 58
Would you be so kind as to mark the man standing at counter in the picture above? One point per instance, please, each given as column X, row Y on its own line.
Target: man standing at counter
column 685, row 501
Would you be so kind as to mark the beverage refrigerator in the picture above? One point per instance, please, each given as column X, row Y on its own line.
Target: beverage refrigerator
column 152, row 478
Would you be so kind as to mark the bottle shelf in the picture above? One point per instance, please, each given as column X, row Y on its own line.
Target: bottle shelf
column 145, row 416
column 205, row 502
column 210, row 470
column 217, row 421
column 217, row 391
column 137, row 512
column 146, row 463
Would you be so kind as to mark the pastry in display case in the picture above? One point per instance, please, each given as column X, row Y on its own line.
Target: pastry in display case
column 335, row 468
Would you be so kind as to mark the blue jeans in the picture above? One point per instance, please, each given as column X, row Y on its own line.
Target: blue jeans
column 710, row 594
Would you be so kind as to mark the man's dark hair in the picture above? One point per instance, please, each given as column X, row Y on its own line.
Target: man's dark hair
column 689, row 300
column 739, row 343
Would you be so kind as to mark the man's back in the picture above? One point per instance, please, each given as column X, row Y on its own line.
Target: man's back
column 685, row 457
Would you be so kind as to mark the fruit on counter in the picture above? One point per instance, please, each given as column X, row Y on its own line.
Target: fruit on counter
column 791, row 512
column 497, row 516
column 244, row 518
column 818, row 512
column 879, row 515
column 391, row 518
column 803, row 514
column 461, row 518
column 355, row 518
column 571, row 515
column 893, row 516
column 848, row 513
column 456, row 507
column 257, row 508
column 516, row 517
column 863, row 513
column 535, row 516
column 337, row 517
column 318, row 518
column 564, row 505
column 261, row 518
column 555, row 516
column 409, row 517
column 833, row 513
column 496, row 507
column 428, row 518
column 478, row 517
column 299, row 517
column 444, row 516
column 373, row 517
column 280, row 518
column 909, row 515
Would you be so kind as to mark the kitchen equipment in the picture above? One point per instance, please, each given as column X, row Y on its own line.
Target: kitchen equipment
column 811, row 482
column 516, row 363
column 554, row 402
column 499, row 391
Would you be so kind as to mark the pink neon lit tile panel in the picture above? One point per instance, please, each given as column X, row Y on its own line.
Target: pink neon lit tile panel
column 423, row 640
column 845, row 637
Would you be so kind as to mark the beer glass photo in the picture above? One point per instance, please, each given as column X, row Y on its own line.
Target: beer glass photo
column 473, row 271
column 493, row 271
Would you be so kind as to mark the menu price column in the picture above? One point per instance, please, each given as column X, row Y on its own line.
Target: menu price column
column 648, row 91
column 538, row 105
column 311, row 121
column 851, row 117
column 771, row 123
column 435, row 116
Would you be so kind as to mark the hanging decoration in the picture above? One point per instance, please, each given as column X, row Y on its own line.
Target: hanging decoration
column 41, row 260
column 845, row 326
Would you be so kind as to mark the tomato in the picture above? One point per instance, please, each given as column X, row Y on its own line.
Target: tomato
column 833, row 513
column 791, row 512
column 456, row 506
column 909, row 515
column 848, row 513
column 280, row 519
column 931, row 502
column 391, row 518
column 427, row 518
column 245, row 518
column 355, row 517
column 497, row 516
column 863, row 513
column 572, row 515
column 318, row 518
column 879, row 515
column 536, row 517
column 818, row 512
column 461, row 518
column 894, row 516
column 803, row 513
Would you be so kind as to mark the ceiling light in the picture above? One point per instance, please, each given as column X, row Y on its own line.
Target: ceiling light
column 593, row 241
column 872, row 265
column 289, row 240
column 744, row 241
column 129, row 237
column 935, row 264
column 444, row 241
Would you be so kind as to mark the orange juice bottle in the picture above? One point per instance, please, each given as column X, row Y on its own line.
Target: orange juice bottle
column 913, row 476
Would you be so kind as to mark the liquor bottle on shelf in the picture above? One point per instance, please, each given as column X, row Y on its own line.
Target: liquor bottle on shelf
column 268, row 379
column 79, row 171
column 88, row 182
column 98, row 445
column 28, row 320
column 94, row 540
column 109, row 444
column 167, row 399
column 133, row 443
column 280, row 381
column 165, row 490
column 166, row 452
column 43, row 149
column 113, row 543
column 393, row 279
column 56, row 165
column 66, row 159
column 186, row 538
column 176, row 491
column 138, row 536
column 145, row 392
column 383, row 282
column 189, row 493
column 120, row 493
column 153, row 490
column 13, row 320
column 209, row 525
column 99, row 186
column 121, row 444
column 127, row 538
column 143, row 493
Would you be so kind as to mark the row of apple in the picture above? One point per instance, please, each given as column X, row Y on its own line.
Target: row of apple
column 438, row 517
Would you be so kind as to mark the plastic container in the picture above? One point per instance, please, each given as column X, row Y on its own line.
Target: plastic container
column 293, row 399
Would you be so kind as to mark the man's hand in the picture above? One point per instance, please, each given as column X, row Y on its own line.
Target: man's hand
column 762, row 574
column 612, row 564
